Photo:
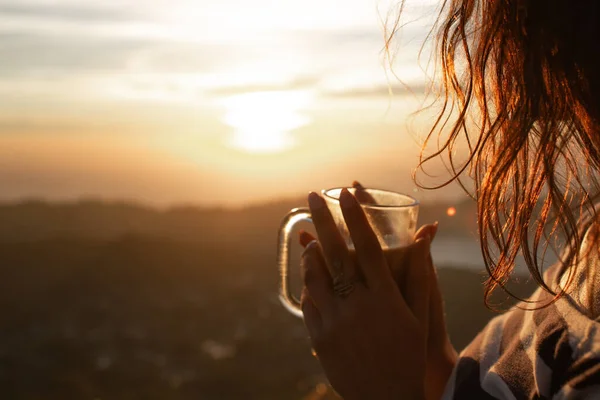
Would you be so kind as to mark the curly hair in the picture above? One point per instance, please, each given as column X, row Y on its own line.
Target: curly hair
column 520, row 87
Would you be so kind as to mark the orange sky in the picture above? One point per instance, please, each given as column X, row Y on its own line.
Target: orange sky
column 160, row 103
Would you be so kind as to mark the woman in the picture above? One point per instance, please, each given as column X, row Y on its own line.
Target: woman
column 521, row 88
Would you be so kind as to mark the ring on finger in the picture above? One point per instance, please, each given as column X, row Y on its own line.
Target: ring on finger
column 342, row 287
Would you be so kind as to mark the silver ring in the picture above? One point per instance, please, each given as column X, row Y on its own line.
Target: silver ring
column 341, row 286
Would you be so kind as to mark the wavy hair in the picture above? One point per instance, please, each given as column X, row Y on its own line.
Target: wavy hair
column 520, row 88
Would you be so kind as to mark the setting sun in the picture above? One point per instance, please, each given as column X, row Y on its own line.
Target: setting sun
column 263, row 121
column 168, row 98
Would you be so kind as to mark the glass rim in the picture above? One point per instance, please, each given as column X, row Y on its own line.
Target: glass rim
column 413, row 204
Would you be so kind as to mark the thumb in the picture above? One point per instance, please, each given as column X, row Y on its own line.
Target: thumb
column 427, row 230
column 438, row 333
column 418, row 281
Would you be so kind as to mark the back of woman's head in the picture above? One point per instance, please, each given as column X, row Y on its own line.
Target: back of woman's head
column 521, row 88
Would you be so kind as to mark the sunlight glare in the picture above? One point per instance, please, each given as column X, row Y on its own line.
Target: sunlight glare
column 263, row 122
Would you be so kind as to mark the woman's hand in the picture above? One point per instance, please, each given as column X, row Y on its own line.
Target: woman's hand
column 441, row 355
column 370, row 339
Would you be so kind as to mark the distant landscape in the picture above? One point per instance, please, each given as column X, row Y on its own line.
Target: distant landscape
column 119, row 301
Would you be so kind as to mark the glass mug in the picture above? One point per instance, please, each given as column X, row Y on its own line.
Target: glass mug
column 392, row 216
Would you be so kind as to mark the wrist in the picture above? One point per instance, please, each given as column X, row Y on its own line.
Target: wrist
column 394, row 394
column 439, row 370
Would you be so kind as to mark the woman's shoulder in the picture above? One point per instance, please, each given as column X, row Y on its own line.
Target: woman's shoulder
column 543, row 347
column 526, row 353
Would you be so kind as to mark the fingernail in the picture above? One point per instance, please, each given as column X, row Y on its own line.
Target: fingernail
column 346, row 200
column 315, row 201
column 304, row 237
column 357, row 185
column 435, row 229
column 311, row 245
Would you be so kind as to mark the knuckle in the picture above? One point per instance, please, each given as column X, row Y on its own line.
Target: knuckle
column 310, row 249
column 310, row 274
column 308, row 259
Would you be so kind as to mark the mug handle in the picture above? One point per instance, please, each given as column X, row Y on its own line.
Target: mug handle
column 289, row 301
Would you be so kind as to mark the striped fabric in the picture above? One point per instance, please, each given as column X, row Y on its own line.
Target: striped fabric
column 550, row 353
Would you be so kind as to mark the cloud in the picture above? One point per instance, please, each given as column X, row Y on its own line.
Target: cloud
column 26, row 54
column 39, row 39
column 85, row 42
column 88, row 13
column 33, row 54
column 307, row 82
column 379, row 91
column 417, row 88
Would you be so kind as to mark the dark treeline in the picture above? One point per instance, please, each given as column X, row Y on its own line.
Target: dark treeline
column 92, row 309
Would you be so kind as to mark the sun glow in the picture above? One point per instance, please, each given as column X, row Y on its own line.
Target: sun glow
column 264, row 122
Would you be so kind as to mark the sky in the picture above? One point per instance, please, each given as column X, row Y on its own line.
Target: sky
column 206, row 102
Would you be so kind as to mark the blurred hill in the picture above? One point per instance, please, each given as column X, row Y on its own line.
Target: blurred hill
column 38, row 220
column 118, row 301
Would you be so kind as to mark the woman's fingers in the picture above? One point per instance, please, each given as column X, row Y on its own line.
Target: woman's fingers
column 437, row 320
column 305, row 238
column 385, row 227
column 427, row 230
column 316, row 278
column 418, row 281
column 312, row 316
column 436, row 306
column 368, row 250
column 332, row 243
column 362, row 195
